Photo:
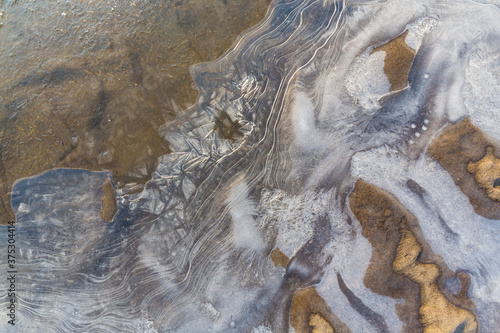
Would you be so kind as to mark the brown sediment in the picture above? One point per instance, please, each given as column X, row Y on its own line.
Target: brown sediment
column 319, row 324
column 385, row 223
column 109, row 205
column 465, row 281
column 380, row 220
column 437, row 313
column 98, row 103
column 398, row 60
column 279, row 258
column 6, row 211
column 310, row 313
column 462, row 149
column 487, row 173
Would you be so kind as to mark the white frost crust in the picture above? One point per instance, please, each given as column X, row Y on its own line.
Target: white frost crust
column 261, row 329
column 293, row 216
column 307, row 135
column 417, row 31
column 481, row 90
column 242, row 210
column 366, row 81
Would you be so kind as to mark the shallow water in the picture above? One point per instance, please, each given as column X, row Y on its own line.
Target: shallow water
column 338, row 173
column 87, row 84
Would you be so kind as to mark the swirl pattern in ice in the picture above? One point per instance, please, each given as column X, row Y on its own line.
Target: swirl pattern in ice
column 338, row 172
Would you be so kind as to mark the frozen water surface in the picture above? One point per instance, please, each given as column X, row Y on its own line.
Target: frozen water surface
column 287, row 120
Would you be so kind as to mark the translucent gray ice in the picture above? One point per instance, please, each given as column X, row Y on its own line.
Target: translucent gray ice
column 314, row 113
